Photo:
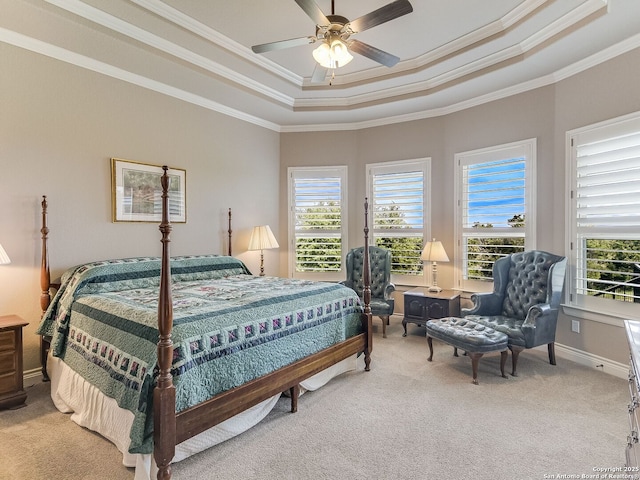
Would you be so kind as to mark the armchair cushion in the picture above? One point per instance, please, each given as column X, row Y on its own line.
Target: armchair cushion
column 512, row 327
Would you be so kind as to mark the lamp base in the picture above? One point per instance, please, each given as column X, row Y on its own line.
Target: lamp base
column 434, row 288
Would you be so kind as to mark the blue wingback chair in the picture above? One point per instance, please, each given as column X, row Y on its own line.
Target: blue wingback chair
column 527, row 289
column 382, row 302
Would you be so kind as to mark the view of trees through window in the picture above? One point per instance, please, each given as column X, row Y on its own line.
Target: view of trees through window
column 611, row 269
column 405, row 250
column 322, row 253
column 482, row 252
column 318, row 240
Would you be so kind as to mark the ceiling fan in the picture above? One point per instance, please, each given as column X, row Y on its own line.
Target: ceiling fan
column 334, row 32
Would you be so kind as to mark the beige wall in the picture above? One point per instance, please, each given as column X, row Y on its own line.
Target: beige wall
column 59, row 126
column 546, row 113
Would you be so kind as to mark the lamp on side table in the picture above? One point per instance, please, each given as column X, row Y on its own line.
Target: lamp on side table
column 262, row 238
column 434, row 252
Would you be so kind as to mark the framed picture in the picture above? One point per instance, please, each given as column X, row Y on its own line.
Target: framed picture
column 137, row 194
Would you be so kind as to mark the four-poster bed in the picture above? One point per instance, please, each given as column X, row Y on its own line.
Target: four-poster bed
column 332, row 326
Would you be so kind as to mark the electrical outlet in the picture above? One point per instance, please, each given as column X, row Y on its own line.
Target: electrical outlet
column 575, row 326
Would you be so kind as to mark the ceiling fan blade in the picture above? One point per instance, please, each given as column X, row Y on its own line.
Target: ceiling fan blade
column 292, row 42
column 319, row 74
column 383, row 14
column 313, row 10
column 373, row 53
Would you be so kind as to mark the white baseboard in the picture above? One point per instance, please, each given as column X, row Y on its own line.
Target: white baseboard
column 606, row 365
column 31, row 377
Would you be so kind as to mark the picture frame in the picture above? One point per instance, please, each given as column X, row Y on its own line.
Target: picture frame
column 136, row 192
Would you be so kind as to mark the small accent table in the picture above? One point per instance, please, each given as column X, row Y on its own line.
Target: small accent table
column 421, row 305
column 12, row 394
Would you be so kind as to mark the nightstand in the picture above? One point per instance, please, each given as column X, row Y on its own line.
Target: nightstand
column 421, row 305
column 12, row 394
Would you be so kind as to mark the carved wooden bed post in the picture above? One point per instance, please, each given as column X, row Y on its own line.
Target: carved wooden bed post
column 229, row 232
column 45, row 285
column 367, row 286
column 164, row 395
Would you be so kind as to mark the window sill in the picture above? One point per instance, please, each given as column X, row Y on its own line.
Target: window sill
column 594, row 315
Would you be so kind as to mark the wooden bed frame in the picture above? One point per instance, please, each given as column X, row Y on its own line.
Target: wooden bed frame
column 170, row 428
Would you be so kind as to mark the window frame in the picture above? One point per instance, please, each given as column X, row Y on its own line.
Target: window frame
column 576, row 304
column 404, row 166
column 294, row 173
column 526, row 148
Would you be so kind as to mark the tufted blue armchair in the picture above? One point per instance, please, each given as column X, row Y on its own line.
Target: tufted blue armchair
column 527, row 289
column 382, row 289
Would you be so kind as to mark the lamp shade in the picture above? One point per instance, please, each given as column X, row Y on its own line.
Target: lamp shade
column 434, row 252
column 262, row 238
column 4, row 258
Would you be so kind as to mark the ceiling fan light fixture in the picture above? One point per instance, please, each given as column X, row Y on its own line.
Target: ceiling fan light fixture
column 332, row 55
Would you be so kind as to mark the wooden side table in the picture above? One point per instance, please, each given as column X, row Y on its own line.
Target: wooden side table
column 420, row 305
column 12, row 394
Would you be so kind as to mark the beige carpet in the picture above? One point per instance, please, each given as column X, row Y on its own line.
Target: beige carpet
column 405, row 419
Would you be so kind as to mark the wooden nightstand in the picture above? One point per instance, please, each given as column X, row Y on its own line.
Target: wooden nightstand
column 421, row 305
column 12, row 392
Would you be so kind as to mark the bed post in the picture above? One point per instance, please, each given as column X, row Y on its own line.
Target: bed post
column 45, row 285
column 164, row 395
column 229, row 232
column 367, row 288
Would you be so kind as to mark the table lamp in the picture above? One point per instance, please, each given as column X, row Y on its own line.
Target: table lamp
column 434, row 252
column 262, row 239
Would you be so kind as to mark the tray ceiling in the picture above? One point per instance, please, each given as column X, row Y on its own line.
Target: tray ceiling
column 453, row 54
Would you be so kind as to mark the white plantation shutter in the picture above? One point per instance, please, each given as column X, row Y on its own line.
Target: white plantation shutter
column 318, row 222
column 608, row 182
column 494, row 192
column 606, row 215
column 404, row 191
column 495, row 215
column 400, row 214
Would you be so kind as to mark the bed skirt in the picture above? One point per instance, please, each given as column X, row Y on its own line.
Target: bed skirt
column 91, row 409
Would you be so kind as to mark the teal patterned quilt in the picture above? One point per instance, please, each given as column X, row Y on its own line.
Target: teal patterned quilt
column 229, row 327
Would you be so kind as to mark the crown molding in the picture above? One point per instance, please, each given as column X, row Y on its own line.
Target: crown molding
column 37, row 46
column 175, row 16
column 106, row 20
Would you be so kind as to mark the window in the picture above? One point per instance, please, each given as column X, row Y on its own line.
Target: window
column 495, row 215
column 604, row 245
column 400, row 215
column 317, row 222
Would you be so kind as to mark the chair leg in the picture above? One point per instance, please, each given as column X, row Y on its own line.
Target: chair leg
column 515, row 351
column 385, row 322
column 430, row 343
column 552, row 353
column 503, row 361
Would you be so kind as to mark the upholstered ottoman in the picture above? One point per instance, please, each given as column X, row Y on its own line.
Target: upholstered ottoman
column 472, row 337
